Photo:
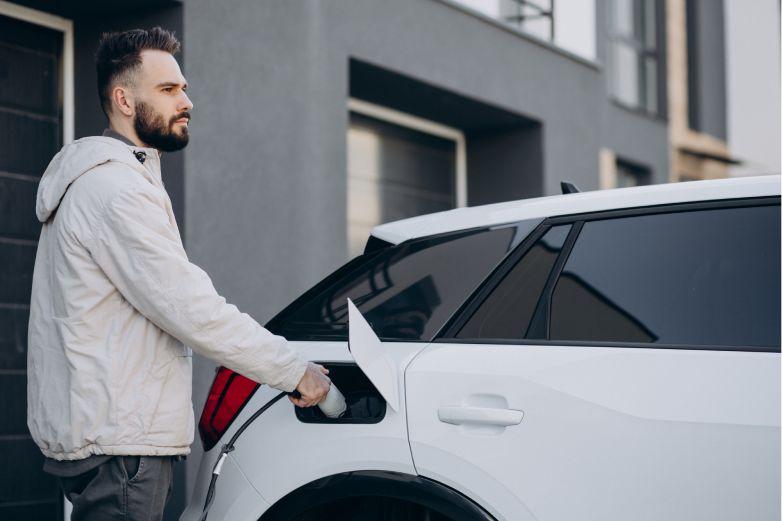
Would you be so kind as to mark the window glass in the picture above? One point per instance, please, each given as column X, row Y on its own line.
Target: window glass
column 507, row 311
column 708, row 277
column 406, row 292
column 626, row 79
column 631, row 174
column 633, row 62
column 624, row 17
column 569, row 24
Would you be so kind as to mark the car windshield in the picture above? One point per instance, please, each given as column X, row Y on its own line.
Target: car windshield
column 406, row 292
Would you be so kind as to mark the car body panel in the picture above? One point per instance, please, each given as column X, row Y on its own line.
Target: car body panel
column 235, row 497
column 620, row 432
column 607, row 433
column 558, row 205
column 278, row 453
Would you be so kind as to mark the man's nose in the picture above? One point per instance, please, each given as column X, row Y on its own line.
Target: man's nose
column 186, row 104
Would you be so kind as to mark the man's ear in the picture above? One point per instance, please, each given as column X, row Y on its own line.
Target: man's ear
column 122, row 99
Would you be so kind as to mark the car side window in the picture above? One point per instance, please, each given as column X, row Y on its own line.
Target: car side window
column 701, row 277
column 407, row 291
column 507, row 311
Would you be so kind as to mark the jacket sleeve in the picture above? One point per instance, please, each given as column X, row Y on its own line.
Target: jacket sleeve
column 140, row 251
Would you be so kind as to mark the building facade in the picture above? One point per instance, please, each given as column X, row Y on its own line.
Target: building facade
column 315, row 120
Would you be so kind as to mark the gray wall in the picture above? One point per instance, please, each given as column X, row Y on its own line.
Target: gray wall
column 266, row 181
column 265, row 187
column 753, row 85
column 265, row 191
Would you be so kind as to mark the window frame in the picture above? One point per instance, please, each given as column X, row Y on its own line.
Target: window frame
column 403, row 119
column 643, row 52
column 65, row 26
column 541, row 320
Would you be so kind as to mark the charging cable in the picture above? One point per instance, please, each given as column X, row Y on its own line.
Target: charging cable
column 227, row 448
column 333, row 406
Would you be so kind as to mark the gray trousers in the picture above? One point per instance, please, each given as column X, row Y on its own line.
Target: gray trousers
column 128, row 488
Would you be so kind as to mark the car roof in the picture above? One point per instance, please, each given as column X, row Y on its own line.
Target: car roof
column 583, row 202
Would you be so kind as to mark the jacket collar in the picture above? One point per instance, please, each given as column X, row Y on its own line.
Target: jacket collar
column 110, row 132
column 149, row 157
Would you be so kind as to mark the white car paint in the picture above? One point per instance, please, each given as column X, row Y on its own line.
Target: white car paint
column 607, row 433
column 556, row 205
column 532, row 432
column 278, row 454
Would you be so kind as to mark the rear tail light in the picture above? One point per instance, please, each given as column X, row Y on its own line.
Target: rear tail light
column 229, row 394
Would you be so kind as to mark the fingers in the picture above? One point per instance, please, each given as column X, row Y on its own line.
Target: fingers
column 300, row 402
column 313, row 387
column 322, row 369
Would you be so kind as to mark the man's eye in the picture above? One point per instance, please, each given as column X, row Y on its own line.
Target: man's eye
column 168, row 89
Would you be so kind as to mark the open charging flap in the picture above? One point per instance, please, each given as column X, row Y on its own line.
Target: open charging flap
column 371, row 358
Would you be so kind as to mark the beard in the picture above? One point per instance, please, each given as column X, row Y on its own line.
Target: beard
column 152, row 128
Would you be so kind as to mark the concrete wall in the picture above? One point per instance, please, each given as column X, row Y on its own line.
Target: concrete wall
column 266, row 182
column 265, row 185
column 265, row 191
column 753, row 85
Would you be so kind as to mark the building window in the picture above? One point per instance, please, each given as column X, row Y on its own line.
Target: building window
column 569, row 24
column 399, row 166
column 532, row 16
column 634, row 53
column 618, row 172
column 631, row 174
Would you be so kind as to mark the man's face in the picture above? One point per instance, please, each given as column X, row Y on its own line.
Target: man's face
column 162, row 108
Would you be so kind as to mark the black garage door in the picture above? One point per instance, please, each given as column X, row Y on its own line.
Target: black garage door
column 30, row 134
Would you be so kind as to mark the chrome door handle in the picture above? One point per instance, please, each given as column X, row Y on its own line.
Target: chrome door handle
column 479, row 416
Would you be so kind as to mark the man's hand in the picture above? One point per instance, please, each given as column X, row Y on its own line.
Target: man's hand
column 313, row 386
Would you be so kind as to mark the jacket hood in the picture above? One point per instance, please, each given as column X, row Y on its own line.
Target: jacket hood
column 78, row 158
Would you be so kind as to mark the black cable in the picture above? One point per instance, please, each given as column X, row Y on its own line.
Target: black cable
column 229, row 447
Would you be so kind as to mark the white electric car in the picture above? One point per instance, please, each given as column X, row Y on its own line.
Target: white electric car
column 611, row 355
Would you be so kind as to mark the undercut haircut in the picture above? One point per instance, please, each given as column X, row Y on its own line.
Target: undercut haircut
column 119, row 57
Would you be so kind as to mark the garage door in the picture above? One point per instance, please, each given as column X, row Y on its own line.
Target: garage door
column 30, row 134
column 399, row 166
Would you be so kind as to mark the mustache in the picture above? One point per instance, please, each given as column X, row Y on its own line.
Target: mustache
column 181, row 115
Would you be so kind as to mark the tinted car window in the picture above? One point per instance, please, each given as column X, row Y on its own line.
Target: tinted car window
column 708, row 277
column 406, row 292
column 507, row 311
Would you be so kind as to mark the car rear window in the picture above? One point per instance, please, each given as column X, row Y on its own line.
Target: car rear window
column 406, row 292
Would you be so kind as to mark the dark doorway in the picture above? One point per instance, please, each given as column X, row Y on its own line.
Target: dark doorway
column 31, row 127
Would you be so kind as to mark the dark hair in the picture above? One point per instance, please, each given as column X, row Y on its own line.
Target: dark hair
column 119, row 55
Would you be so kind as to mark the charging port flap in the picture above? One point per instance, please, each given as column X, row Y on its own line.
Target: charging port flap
column 368, row 352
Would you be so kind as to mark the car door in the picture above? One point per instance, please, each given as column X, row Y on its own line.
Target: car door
column 618, row 366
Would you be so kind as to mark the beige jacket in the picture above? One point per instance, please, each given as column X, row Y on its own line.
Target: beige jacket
column 114, row 298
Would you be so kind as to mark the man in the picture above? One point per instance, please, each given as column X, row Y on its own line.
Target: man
column 115, row 299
